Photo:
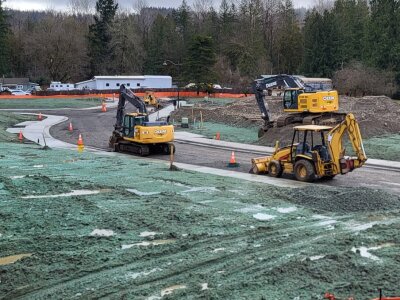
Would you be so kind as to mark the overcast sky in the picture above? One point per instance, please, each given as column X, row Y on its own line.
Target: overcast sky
column 63, row 4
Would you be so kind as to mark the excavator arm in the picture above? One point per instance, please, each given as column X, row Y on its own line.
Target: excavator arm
column 127, row 95
column 336, row 149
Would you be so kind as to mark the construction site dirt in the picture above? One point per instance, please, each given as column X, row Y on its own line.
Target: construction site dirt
column 93, row 225
column 377, row 116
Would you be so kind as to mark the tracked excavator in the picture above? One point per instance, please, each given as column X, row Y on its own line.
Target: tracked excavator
column 316, row 152
column 305, row 102
column 134, row 133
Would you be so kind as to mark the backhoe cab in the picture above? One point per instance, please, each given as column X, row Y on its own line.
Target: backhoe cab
column 315, row 152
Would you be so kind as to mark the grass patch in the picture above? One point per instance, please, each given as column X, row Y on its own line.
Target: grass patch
column 48, row 103
column 227, row 133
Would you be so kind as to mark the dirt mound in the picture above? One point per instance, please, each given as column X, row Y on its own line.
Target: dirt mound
column 377, row 115
column 344, row 199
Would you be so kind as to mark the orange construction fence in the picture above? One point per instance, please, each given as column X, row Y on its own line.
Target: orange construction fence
column 188, row 94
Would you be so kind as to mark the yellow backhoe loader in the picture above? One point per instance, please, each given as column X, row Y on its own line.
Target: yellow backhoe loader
column 316, row 152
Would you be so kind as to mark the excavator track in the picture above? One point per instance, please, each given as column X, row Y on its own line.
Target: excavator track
column 289, row 119
column 331, row 118
column 117, row 144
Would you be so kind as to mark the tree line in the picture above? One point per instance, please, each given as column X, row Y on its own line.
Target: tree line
column 349, row 40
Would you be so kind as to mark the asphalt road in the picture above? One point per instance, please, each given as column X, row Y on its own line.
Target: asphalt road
column 96, row 127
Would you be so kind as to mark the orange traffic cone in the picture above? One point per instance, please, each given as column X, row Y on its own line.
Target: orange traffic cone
column 20, row 136
column 40, row 116
column 103, row 107
column 218, row 136
column 80, row 143
column 70, row 128
column 232, row 161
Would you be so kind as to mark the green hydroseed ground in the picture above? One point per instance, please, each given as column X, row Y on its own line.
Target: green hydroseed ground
column 48, row 103
column 145, row 229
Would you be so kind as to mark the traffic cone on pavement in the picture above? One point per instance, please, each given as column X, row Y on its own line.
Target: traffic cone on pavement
column 20, row 136
column 80, row 143
column 70, row 128
column 232, row 161
column 40, row 116
column 103, row 107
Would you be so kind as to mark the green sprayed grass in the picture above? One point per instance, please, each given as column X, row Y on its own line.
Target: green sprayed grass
column 385, row 147
column 49, row 103
column 7, row 120
column 227, row 133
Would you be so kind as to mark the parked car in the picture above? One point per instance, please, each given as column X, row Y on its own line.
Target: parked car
column 19, row 93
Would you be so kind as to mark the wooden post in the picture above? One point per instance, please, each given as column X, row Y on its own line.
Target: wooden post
column 171, row 156
column 201, row 119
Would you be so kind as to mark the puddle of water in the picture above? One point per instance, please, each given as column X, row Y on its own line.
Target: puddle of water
column 12, row 258
column 132, row 275
column 286, row 210
column 218, row 250
column 171, row 289
column 148, row 243
column 320, row 217
column 327, row 223
column 70, row 194
column 139, row 193
column 147, row 233
column 17, row 177
column 203, row 189
column 102, row 232
column 263, row 217
column 38, row 166
column 364, row 252
column 204, row 286
column 251, row 208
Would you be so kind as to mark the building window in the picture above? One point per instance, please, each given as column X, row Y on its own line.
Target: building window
column 128, row 84
column 107, row 84
column 137, row 84
column 117, row 84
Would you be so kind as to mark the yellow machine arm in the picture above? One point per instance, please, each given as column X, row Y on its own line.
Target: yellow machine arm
column 334, row 138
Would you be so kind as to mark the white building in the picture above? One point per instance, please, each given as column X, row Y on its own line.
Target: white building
column 58, row 86
column 132, row 82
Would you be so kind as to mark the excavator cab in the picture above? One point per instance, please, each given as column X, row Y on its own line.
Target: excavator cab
column 291, row 98
column 130, row 121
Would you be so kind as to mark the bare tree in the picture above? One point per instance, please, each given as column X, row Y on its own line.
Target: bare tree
column 81, row 7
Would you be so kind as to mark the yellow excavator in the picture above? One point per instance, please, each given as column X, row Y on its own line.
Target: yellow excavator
column 151, row 100
column 316, row 152
column 134, row 133
column 304, row 101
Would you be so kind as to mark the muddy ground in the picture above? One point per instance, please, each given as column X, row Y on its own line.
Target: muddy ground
column 377, row 116
column 93, row 225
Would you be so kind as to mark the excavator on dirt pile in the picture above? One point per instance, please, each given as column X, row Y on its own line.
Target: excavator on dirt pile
column 316, row 152
column 305, row 101
column 134, row 133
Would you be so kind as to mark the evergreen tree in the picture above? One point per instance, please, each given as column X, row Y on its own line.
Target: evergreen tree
column 5, row 35
column 384, row 34
column 351, row 17
column 200, row 60
column 101, row 52
column 289, row 44
column 320, row 44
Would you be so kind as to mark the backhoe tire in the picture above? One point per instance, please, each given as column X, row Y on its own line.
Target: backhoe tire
column 304, row 170
column 274, row 168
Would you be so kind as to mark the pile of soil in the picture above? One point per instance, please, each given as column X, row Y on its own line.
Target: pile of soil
column 377, row 115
